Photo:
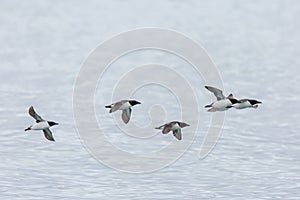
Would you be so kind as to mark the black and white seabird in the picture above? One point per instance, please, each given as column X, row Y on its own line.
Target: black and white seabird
column 223, row 103
column 125, row 106
column 174, row 126
column 246, row 103
column 41, row 124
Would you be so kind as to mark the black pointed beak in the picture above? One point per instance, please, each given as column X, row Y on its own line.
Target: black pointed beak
column 187, row 124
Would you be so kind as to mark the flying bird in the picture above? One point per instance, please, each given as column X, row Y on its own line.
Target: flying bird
column 223, row 103
column 174, row 126
column 125, row 107
column 41, row 124
column 246, row 103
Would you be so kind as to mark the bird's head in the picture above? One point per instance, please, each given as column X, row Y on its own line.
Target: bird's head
column 254, row 103
column 182, row 124
column 52, row 123
column 134, row 102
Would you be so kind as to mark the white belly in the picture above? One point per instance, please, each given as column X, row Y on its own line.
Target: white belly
column 175, row 127
column 222, row 104
column 40, row 126
column 245, row 104
column 125, row 106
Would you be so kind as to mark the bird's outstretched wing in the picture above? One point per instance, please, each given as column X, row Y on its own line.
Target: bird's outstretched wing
column 177, row 134
column 33, row 114
column 160, row 127
column 126, row 115
column 167, row 128
column 48, row 134
column 218, row 93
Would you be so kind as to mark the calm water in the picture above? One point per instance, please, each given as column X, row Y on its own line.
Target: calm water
column 255, row 47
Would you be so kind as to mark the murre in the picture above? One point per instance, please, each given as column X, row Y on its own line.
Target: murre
column 246, row 103
column 223, row 103
column 41, row 124
column 174, row 126
column 125, row 107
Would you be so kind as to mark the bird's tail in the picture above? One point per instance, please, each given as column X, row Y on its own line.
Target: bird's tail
column 27, row 129
column 207, row 106
column 109, row 106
